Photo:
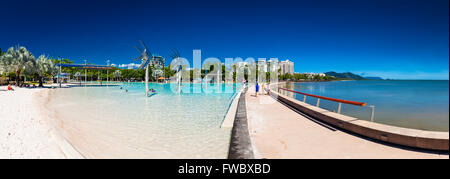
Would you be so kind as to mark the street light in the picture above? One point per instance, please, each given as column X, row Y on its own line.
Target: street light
column 59, row 76
column 85, row 71
column 107, row 71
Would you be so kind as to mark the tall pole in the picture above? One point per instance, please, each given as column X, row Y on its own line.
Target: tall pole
column 179, row 81
column 59, row 76
column 85, row 72
column 218, row 78
column 107, row 71
column 146, row 80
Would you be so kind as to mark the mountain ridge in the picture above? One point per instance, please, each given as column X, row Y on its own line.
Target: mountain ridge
column 350, row 75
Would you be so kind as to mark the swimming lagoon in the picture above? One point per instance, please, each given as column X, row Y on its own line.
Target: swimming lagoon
column 119, row 121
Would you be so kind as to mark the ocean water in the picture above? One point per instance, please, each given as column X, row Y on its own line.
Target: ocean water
column 420, row 104
column 107, row 122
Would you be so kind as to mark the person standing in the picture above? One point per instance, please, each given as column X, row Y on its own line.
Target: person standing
column 262, row 89
column 257, row 89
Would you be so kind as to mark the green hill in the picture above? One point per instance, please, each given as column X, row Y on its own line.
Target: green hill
column 345, row 75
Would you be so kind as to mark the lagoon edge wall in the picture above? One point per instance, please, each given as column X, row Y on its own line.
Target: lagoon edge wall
column 431, row 140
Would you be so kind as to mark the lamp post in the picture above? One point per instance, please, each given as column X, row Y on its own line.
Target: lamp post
column 107, row 71
column 59, row 76
column 85, row 71
column 101, row 76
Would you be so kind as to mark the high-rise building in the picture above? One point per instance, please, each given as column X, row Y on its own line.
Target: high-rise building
column 262, row 65
column 287, row 67
column 273, row 65
column 157, row 60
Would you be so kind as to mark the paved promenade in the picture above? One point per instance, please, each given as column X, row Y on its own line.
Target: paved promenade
column 277, row 131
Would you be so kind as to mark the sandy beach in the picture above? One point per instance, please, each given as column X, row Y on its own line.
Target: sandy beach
column 25, row 131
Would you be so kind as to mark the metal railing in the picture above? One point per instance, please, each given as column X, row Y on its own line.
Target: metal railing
column 339, row 101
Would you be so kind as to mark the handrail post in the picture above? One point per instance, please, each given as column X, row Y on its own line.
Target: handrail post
column 373, row 113
column 318, row 102
column 339, row 108
column 304, row 98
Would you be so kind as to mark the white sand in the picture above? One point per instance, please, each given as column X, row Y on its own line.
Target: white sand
column 24, row 130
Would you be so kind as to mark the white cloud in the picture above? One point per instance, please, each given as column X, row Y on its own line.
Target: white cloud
column 129, row 66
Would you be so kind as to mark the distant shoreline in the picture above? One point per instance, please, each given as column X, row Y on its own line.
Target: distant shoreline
column 308, row 81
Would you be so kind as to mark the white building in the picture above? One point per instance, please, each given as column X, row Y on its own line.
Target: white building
column 311, row 75
column 273, row 65
column 157, row 60
column 262, row 65
column 287, row 67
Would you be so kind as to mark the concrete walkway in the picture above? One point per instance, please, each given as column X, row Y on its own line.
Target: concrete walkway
column 277, row 131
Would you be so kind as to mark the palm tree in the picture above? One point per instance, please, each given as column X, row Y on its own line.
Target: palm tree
column 3, row 68
column 16, row 60
column 43, row 65
column 117, row 74
column 29, row 69
column 53, row 69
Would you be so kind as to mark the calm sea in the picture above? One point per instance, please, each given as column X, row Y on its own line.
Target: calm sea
column 418, row 104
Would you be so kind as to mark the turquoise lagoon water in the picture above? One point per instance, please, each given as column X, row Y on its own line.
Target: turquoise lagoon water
column 107, row 122
column 417, row 104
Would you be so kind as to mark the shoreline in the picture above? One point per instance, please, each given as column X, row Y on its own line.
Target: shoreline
column 26, row 129
column 27, row 115
column 92, row 140
column 49, row 116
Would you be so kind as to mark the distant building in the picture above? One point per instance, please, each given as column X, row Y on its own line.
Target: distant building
column 287, row 67
column 273, row 65
column 262, row 65
column 157, row 60
column 311, row 75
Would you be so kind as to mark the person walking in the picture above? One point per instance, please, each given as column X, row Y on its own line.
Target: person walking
column 257, row 89
column 262, row 89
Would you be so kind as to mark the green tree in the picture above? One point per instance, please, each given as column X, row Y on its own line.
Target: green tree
column 43, row 65
column 168, row 72
column 117, row 74
column 16, row 60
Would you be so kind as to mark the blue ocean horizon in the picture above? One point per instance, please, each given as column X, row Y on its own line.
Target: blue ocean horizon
column 418, row 104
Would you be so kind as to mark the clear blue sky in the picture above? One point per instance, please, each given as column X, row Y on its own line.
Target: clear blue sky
column 402, row 39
